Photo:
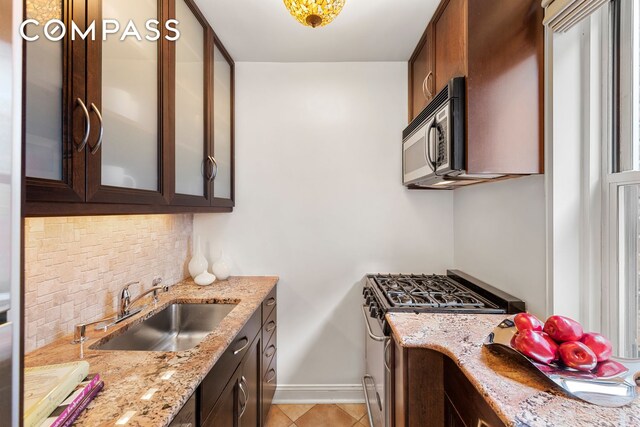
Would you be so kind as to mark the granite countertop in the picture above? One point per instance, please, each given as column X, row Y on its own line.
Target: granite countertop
column 519, row 395
column 128, row 375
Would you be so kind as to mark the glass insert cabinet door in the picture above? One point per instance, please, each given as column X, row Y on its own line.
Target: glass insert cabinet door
column 192, row 76
column 44, row 93
column 125, row 100
column 129, row 100
column 55, row 110
column 93, row 107
column 223, row 124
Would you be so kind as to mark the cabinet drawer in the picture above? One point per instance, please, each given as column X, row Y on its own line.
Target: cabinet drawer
column 269, row 383
column 214, row 383
column 269, row 304
column 269, row 351
column 271, row 374
column 269, row 328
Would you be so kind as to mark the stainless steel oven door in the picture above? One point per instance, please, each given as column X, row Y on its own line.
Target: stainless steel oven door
column 377, row 379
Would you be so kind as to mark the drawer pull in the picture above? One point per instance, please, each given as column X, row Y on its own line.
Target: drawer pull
column 271, row 326
column 271, row 347
column 483, row 423
column 273, row 377
column 235, row 352
column 271, row 302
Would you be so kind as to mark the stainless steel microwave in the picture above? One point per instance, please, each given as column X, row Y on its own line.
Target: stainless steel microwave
column 433, row 149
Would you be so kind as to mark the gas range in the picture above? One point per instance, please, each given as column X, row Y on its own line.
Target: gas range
column 456, row 292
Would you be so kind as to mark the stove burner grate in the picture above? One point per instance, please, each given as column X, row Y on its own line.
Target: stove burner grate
column 428, row 291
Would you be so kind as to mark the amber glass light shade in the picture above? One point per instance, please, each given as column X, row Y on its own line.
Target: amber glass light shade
column 314, row 13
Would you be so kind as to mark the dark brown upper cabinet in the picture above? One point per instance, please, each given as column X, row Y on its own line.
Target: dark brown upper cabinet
column 449, row 34
column 422, row 74
column 192, row 73
column 117, row 127
column 499, row 49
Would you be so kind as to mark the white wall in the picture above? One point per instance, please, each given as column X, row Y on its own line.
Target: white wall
column 320, row 203
column 499, row 235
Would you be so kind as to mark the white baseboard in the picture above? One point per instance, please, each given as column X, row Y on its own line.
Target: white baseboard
column 318, row 393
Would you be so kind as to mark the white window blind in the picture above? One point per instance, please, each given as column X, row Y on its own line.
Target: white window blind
column 562, row 15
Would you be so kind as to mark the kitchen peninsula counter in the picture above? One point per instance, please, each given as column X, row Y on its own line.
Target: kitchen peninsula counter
column 518, row 394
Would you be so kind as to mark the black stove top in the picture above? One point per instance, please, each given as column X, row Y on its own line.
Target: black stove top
column 428, row 291
column 456, row 292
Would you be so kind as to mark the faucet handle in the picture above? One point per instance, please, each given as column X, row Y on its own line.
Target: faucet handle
column 156, row 281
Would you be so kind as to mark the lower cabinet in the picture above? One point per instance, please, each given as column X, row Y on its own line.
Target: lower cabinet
column 238, row 404
column 226, row 411
column 239, row 389
column 249, row 384
column 430, row 390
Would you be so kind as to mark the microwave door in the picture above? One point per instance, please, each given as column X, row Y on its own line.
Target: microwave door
column 415, row 161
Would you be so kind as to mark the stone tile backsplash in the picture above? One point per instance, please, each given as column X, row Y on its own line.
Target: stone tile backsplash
column 74, row 267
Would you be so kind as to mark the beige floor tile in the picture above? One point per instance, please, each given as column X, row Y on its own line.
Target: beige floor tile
column 295, row 411
column 365, row 419
column 277, row 418
column 326, row 416
column 355, row 410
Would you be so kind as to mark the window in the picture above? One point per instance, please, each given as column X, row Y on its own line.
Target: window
column 622, row 183
column 593, row 133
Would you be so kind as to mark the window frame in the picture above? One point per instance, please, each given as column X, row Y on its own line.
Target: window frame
column 618, row 322
column 602, row 306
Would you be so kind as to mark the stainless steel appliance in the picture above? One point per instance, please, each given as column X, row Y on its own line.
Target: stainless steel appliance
column 433, row 148
column 456, row 292
column 9, row 224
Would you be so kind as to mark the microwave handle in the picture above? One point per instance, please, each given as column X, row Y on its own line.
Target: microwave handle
column 427, row 147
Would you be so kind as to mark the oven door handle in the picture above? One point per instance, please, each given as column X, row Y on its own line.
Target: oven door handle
column 366, row 397
column 369, row 331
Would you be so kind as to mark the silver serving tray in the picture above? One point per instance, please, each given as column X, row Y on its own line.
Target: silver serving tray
column 616, row 391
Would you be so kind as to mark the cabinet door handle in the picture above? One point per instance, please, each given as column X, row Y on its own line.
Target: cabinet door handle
column 243, row 347
column 87, row 126
column 428, row 86
column 273, row 377
column 271, row 326
column 214, row 168
column 96, row 147
column 424, row 88
column 205, row 169
column 245, row 393
column 271, row 347
column 482, row 423
column 271, row 302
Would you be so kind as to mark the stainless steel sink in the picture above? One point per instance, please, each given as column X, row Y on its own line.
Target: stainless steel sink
column 178, row 327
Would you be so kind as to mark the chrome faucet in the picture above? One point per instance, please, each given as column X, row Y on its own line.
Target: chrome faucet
column 124, row 309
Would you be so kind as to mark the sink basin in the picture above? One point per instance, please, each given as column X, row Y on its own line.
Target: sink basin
column 176, row 328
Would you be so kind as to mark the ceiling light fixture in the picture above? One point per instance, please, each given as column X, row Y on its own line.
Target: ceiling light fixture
column 314, row 13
